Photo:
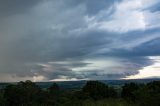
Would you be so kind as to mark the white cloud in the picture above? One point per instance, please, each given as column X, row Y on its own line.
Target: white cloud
column 100, row 68
column 149, row 3
column 38, row 78
column 152, row 19
column 150, row 71
column 128, row 15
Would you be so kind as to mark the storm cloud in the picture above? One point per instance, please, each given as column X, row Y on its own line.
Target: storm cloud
column 44, row 40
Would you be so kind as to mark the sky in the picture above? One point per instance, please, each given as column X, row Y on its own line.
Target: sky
column 63, row 40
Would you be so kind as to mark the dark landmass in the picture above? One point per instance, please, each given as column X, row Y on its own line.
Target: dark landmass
column 80, row 84
column 144, row 92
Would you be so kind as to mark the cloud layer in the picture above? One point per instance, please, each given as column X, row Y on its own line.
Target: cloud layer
column 58, row 39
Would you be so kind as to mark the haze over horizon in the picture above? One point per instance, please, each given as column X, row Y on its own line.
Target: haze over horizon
column 63, row 40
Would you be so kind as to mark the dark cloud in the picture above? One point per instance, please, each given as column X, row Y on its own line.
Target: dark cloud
column 13, row 7
column 95, row 6
column 74, row 39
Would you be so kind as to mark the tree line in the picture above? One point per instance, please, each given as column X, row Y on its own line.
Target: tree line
column 93, row 93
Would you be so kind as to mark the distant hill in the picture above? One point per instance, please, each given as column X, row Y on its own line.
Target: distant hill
column 79, row 84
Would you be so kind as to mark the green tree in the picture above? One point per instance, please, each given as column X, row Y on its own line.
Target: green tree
column 149, row 95
column 53, row 94
column 23, row 93
column 128, row 91
column 2, row 99
column 98, row 90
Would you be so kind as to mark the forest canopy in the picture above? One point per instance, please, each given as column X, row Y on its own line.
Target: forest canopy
column 93, row 93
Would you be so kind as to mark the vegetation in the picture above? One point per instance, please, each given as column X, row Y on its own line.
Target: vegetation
column 93, row 93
